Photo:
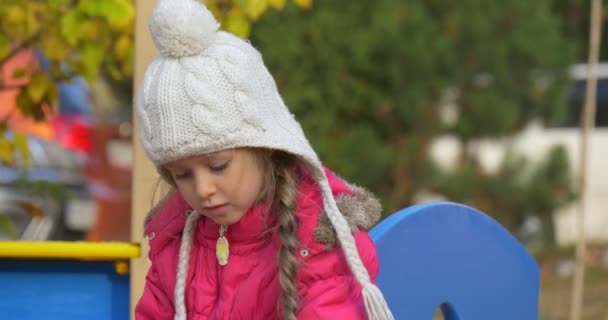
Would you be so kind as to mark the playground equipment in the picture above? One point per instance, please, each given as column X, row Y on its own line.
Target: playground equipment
column 454, row 257
column 65, row 280
column 432, row 255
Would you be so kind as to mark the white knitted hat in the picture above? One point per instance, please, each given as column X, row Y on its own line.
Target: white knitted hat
column 208, row 91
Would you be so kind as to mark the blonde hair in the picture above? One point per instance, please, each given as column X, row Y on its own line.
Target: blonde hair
column 282, row 177
column 279, row 190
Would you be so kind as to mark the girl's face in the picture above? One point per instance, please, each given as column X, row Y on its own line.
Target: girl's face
column 221, row 186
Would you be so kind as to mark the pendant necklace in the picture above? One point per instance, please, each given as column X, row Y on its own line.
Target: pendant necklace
column 222, row 250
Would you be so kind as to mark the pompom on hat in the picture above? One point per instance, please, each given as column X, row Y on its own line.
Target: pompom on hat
column 209, row 91
column 182, row 28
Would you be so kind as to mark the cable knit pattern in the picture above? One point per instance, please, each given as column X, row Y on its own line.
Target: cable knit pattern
column 210, row 91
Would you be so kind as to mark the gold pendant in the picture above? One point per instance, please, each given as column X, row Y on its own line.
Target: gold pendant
column 222, row 250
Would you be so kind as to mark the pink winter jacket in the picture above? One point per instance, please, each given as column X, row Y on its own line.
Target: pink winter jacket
column 248, row 287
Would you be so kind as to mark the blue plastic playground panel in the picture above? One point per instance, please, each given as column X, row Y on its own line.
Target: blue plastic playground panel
column 453, row 256
column 62, row 290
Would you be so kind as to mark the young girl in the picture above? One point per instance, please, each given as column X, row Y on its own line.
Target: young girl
column 255, row 227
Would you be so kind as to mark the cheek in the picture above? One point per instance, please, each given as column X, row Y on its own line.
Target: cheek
column 252, row 189
column 252, row 185
column 187, row 193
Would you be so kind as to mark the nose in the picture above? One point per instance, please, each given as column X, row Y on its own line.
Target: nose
column 205, row 186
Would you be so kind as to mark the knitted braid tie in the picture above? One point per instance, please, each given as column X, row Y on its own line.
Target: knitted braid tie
column 182, row 269
column 375, row 305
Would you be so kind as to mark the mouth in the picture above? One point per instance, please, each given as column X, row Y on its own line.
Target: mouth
column 215, row 210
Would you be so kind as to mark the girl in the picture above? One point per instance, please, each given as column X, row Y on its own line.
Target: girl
column 255, row 227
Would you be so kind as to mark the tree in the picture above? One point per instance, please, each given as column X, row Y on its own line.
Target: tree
column 75, row 38
column 367, row 80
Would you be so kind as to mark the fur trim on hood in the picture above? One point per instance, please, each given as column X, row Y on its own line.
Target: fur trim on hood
column 361, row 210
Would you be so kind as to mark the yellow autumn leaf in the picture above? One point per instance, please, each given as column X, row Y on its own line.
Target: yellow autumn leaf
column 15, row 15
column 54, row 46
column 278, row 4
column 91, row 56
column 56, row 4
column 38, row 87
column 117, row 12
column 114, row 71
column 254, row 8
column 90, row 30
column 237, row 23
column 5, row 46
column 32, row 21
column 122, row 47
column 25, row 103
column 6, row 151
column 22, row 146
column 13, row 19
column 71, row 25
column 304, row 4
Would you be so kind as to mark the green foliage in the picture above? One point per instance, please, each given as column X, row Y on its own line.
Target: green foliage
column 551, row 184
column 366, row 78
column 79, row 38
column 237, row 16
column 44, row 188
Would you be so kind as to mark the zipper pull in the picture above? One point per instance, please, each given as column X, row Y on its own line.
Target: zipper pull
column 222, row 249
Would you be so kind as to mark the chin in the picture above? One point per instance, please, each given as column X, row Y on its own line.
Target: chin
column 224, row 220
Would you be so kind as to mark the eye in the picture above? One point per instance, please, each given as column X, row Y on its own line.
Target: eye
column 219, row 167
column 181, row 175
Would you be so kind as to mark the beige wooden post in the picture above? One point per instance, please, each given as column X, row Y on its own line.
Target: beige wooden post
column 587, row 125
column 144, row 174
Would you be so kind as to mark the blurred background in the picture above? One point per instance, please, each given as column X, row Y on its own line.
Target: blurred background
column 468, row 101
